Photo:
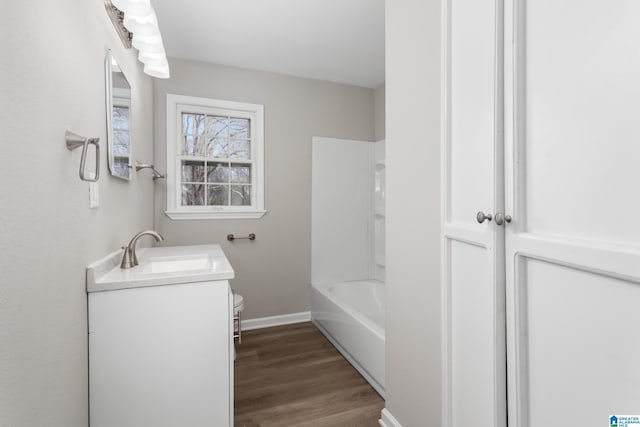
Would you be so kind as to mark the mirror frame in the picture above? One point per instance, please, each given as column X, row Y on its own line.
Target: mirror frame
column 108, row 69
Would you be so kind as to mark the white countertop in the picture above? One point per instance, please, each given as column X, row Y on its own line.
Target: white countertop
column 164, row 265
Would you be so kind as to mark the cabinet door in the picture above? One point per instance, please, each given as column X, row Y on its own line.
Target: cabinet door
column 474, row 382
column 159, row 356
column 232, row 352
column 573, row 248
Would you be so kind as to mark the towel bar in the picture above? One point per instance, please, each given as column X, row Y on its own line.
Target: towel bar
column 74, row 141
column 231, row 237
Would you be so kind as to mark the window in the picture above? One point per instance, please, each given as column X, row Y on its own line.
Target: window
column 215, row 166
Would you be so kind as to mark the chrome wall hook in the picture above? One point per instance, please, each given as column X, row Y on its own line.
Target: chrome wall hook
column 75, row 140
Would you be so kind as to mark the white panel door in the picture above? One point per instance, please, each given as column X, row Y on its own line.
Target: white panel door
column 474, row 376
column 572, row 108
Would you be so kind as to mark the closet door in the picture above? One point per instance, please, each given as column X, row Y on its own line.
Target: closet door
column 572, row 92
column 474, row 379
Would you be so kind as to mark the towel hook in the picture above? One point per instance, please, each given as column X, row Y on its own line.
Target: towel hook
column 75, row 140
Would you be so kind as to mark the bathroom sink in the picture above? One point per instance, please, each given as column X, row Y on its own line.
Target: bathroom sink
column 171, row 264
column 166, row 265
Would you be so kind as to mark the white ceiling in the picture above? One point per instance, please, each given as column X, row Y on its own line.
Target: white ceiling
column 335, row 40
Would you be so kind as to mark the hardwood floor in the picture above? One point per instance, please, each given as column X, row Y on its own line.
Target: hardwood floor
column 292, row 376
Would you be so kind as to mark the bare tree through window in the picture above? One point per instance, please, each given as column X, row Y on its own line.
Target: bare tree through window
column 216, row 160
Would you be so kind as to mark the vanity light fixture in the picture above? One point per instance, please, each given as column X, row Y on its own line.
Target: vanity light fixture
column 137, row 25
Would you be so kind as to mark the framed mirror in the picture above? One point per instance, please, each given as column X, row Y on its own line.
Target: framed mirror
column 118, row 96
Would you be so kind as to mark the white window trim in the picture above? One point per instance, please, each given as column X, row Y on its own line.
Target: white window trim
column 174, row 130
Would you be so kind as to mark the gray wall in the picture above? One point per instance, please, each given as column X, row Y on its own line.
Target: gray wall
column 413, row 211
column 51, row 78
column 273, row 272
column 378, row 112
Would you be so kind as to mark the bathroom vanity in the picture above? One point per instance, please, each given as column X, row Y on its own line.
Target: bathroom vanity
column 161, row 339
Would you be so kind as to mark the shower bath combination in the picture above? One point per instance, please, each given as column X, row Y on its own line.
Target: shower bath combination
column 347, row 251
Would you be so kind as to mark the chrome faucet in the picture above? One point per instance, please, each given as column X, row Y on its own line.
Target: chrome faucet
column 129, row 259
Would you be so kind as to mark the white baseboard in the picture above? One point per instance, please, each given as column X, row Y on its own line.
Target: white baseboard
column 387, row 420
column 267, row 322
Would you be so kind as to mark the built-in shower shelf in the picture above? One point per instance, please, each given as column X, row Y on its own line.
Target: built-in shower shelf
column 380, row 261
column 379, row 213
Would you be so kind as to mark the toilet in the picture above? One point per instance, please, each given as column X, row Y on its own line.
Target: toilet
column 238, row 306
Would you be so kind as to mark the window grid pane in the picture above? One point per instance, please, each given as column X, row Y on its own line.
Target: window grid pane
column 217, row 195
column 217, row 126
column 192, row 171
column 219, row 169
column 240, row 195
column 218, row 172
column 192, row 194
column 225, row 183
column 217, row 148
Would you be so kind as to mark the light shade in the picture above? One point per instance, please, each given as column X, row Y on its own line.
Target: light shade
column 144, row 25
column 151, row 44
column 141, row 22
column 152, row 58
column 160, row 72
column 133, row 7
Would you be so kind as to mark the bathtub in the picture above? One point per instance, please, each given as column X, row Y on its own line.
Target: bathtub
column 351, row 316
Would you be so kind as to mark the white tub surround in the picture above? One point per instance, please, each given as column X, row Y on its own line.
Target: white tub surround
column 161, row 339
column 351, row 315
column 347, row 246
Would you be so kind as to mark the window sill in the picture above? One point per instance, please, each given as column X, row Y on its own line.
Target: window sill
column 215, row 215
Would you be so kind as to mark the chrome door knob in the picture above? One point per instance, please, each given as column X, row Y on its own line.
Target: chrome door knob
column 481, row 217
column 502, row 218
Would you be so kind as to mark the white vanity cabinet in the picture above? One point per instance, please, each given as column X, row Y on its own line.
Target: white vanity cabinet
column 161, row 354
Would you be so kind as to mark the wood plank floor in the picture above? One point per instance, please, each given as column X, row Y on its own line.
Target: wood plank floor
column 292, row 376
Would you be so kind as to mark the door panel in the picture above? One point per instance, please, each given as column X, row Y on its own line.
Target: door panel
column 474, row 375
column 472, row 103
column 581, row 106
column 579, row 324
column 472, row 327
column 573, row 248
